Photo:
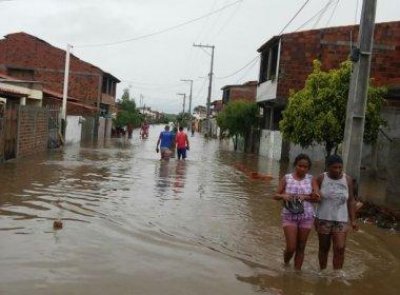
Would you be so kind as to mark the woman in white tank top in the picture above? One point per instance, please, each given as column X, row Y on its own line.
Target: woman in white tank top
column 335, row 212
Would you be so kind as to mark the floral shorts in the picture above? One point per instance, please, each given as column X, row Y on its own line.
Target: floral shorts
column 298, row 220
column 327, row 227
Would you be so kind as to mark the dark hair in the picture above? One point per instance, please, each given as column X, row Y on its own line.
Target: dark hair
column 180, row 128
column 302, row 157
column 333, row 159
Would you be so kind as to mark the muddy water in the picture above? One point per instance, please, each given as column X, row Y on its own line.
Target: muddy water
column 136, row 225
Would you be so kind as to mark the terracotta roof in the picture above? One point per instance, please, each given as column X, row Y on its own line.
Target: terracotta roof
column 23, row 34
column 58, row 95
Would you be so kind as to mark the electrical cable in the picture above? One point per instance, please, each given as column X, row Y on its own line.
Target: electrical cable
column 163, row 30
column 325, row 9
column 355, row 17
column 239, row 70
column 248, row 70
column 295, row 15
column 332, row 14
column 311, row 19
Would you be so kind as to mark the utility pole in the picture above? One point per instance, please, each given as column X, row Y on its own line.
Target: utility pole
column 357, row 101
column 190, row 99
column 210, row 75
column 141, row 102
column 184, row 102
column 65, row 90
column 190, row 94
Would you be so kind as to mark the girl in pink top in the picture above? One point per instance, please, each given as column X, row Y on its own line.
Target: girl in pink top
column 296, row 226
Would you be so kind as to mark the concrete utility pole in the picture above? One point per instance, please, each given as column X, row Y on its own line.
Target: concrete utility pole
column 210, row 75
column 141, row 102
column 190, row 94
column 184, row 102
column 190, row 100
column 65, row 90
column 357, row 101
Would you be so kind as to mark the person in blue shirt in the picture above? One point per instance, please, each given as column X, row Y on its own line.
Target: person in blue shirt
column 166, row 140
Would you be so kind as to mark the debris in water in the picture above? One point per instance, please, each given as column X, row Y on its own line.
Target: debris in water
column 57, row 224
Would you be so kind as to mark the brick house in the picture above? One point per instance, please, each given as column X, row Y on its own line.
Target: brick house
column 216, row 107
column 286, row 61
column 246, row 91
column 27, row 57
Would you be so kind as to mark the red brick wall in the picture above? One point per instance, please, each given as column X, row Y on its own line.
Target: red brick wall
column 244, row 92
column 33, row 131
column 23, row 50
column 298, row 50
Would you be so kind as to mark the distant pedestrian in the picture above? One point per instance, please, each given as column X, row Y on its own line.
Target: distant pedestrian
column 193, row 128
column 296, row 191
column 335, row 213
column 182, row 143
column 165, row 141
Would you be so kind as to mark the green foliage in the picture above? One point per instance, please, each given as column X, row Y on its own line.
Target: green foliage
column 317, row 113
column 128, row 114
column 238, row 117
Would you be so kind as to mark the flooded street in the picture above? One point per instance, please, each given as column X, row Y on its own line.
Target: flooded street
column 136, row 225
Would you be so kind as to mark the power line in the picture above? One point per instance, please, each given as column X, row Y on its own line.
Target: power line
column 163, row 30
column 248, row 70
column 355, row 17
column 296, row 14
column 312, row 18
column 239, row 70
column 227, row 21
column 325, row 9
column 333, row 13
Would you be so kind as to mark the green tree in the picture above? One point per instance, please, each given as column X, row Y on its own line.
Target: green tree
column 317, row 113
column 128, row 114
column 238, row 118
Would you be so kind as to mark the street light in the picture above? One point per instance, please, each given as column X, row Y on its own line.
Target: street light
column 184, row 102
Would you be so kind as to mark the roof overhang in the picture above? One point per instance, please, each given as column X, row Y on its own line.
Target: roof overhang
column 269, row 43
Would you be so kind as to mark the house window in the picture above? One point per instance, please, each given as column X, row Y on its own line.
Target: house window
column 269, row 63
column 225, row 96
column 104, row 86
column 104, row 110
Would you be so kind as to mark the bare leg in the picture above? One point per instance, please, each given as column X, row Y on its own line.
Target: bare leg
column 339, row 246
column 291, row 241
column 323, row 251
column 302, row 236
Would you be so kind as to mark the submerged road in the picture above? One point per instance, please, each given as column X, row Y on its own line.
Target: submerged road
column 135, row 225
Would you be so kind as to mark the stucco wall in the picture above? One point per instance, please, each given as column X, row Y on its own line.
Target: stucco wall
column 73, row 130
column 271, row 144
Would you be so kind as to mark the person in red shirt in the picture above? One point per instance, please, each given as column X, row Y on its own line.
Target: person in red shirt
column 182, row 143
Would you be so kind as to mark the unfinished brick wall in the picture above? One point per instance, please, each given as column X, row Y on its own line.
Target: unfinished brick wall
column 244, row 92
column 332, row 46
column 33, row 132
column 22, row 50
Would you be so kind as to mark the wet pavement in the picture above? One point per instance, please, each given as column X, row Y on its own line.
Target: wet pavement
column 135, row 225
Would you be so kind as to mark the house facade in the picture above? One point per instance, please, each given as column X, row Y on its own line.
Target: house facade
column 246, row 91
column 286, row 62
column 26, row 57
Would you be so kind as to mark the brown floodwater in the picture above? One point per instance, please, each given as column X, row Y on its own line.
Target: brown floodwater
column 135, row 225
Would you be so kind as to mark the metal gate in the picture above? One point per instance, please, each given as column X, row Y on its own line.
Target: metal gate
column 10, row 132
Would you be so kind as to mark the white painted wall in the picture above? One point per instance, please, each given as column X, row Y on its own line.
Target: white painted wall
column 74, row 130
column 271, row 144
column 102, row 129
column 267, row 90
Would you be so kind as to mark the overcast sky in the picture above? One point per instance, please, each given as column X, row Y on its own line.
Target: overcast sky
column 154, row 66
